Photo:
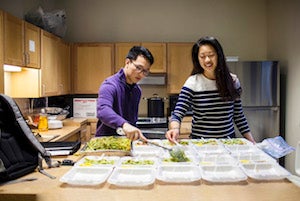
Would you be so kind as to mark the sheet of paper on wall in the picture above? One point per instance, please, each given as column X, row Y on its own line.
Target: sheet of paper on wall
column 85, row 107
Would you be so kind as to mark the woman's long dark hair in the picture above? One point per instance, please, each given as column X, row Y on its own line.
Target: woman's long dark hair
column 224, row 80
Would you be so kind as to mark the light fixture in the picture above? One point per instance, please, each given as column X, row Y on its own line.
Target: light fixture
column 10, row 68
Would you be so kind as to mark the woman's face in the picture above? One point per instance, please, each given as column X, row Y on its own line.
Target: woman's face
column 208, row 59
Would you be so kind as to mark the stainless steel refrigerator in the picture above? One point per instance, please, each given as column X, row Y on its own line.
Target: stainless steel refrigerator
column 260, row 81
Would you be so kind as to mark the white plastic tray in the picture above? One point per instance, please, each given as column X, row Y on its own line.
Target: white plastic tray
column 86, row 175
column 265, row 171
column 82, row 162
column 193, row 159
column 203, row 146
column 235, row 141
column 217, row 159
column 253, row 157
column 178, row 173
column 138, row 160
column 147, row 151
column 132, row 177
column 222, row 173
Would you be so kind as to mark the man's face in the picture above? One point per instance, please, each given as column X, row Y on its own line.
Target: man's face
column 135, row 70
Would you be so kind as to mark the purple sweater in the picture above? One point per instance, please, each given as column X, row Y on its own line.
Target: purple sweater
column 117, row 103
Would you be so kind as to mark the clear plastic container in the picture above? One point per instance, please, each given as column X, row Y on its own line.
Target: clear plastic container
column 265, row 171
column 132, row 177
column 86, row 176
column 178, row 173
column 222, row 173
column 43, row 121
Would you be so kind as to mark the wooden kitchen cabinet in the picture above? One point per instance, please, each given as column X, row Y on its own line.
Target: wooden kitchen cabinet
column 64, row 68
column 93, row 62
column 158, row 50
column 49, row 62
column 21, row 42
column 51, row 79
column 32, row 45
column 13, row 40
column 1, row 54
column 180, row 65
column 121, row 51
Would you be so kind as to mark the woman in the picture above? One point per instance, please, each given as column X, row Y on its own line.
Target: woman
column 214, row 95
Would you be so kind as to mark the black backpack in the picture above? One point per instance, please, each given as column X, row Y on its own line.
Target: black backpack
column 20, row 151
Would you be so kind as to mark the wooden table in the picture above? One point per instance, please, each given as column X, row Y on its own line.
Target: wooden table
column 47, row 189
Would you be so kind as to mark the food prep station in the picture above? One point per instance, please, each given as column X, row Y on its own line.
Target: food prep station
column 210, row 160
column 216, row 170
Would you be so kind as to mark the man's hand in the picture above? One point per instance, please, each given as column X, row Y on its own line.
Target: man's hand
column 132, row 132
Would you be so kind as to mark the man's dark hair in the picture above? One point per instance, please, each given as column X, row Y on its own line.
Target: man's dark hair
column 136, row 51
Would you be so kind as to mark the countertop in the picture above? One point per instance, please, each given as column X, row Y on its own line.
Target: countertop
column 47, row 189
column 70, row 127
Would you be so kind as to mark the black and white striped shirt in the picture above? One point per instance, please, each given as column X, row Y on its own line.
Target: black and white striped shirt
column 212, row 116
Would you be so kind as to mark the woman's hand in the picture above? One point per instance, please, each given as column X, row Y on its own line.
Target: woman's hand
column 172, row 134
column 132, row 132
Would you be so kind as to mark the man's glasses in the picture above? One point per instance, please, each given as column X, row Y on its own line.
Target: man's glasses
column 140, row 69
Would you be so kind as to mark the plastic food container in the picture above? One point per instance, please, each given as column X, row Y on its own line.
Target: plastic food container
column 178, row 173
column 98, row 161
column 217, row 159
column 265, row 171
column 146, row 150
column 207, row 146
column 132, row 177
column 222, row 173
column 107, row 145
column 166, row 159
column 253, row 157
column 86, row 175
column 137, row 162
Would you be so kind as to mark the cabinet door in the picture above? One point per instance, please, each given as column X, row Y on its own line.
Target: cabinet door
column 64, row 68
column 121, row 51
column 159, row 52
column 1, row 54
column 93, row 63
column 49, row 67
column 180, row 65
column 13, row 40
column 32, row 45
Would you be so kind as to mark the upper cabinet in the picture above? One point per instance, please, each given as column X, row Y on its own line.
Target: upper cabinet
column 52, row 79
column 64, row 67
column 180, row 65
column 13, row 40
column 21, row 42
column 121, row 51
column 158, row 50
column 49, row 63
column 32, row 45
column 93, row 62
column 1, row 54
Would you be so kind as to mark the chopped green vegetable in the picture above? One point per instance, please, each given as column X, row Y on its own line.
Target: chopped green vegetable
column 137, row 162
column 109, row 143
column 91, row 162
column 178, row 155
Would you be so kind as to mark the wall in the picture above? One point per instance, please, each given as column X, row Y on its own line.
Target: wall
column 284, row 45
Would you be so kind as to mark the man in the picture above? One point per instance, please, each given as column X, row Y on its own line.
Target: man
column 119, row 96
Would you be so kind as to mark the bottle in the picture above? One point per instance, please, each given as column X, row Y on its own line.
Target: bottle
column 43, row 121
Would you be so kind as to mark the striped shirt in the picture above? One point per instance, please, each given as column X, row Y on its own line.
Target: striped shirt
column 212, row 116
